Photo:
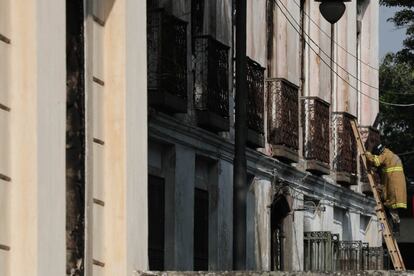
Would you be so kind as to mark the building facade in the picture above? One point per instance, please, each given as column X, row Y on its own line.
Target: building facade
column 306, row 80
column 117, row 136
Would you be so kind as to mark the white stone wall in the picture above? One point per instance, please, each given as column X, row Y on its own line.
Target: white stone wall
column 369, row 54
column 32, row 140
column 5, row 184
column 116, row 148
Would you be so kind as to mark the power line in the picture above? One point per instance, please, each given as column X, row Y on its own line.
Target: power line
column 332, row 70
column 406, row 153
column 335, row 42
column 326, row 54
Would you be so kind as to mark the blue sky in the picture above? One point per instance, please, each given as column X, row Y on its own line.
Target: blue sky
column 390, row 38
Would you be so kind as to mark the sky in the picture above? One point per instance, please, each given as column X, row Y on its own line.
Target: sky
column 390, row 38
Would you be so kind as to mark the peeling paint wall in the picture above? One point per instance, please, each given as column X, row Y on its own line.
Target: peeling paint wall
column 369, row 54
column 345, row 57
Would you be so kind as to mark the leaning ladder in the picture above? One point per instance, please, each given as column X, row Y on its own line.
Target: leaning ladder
column 390, row 241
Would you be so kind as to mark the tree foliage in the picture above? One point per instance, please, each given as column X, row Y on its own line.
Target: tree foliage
column 397, row 123
column 404, row 18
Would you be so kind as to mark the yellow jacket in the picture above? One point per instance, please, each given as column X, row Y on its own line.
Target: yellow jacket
column 392, row 178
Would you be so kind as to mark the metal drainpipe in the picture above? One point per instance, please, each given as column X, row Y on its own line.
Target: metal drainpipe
column 332, row 142
column 240, row 163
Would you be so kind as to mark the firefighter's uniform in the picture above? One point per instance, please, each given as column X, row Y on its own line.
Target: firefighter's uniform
column 394, row 191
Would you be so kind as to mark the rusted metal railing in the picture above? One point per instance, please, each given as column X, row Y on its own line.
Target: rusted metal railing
column 283, row 113
column 345, row 149
column 255, row 90
column 315, row 121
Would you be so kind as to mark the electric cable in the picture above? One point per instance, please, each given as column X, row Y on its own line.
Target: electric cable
column 325, row 53
column 332, row 70
column 335, row 42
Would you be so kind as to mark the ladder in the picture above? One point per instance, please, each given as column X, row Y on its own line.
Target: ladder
column 390, row 241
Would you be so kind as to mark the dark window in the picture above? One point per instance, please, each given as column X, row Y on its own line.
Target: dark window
column 156, row 215
column 200, row 230
column 279, row 210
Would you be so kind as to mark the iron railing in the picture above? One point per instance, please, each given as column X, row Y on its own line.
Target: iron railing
column 283, row 110
column 255, row 92
column 167, row 65
column 349, row 256
column 319, row 251
column 323, row 251
column 345, row 148
column 374, row 258
column 315, row 121
column 211, row 83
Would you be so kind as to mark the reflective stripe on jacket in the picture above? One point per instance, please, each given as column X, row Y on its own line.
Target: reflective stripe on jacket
column 392, row 178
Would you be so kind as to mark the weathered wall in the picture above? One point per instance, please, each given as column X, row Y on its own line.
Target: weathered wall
column 294, row 227
column 369, row 54
column 317, row 53
column 346, row 63
column 285, row 61
column 258, row 225
column 256, row 31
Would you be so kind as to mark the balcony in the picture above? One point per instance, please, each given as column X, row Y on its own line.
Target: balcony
column 345, row 149
column 167, row 66
column 370, row 136
column 283, row 119
column 315, row 121
column 211, row 84
column 255, row 106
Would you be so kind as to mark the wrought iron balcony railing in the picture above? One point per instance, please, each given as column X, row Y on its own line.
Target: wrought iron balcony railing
column 345, row 148
column 255, row 106
column 167, row 61
column 283, row 118
column 211, row 83
column 315, row 121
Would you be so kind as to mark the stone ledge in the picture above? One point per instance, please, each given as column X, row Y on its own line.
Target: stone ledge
column 272, row 273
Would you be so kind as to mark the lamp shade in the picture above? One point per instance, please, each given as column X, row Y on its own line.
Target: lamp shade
column 332, row 10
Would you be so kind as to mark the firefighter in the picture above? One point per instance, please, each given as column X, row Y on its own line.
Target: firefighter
column 394, row 190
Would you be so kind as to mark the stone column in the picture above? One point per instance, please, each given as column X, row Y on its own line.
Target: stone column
column 293, row 232
column 179, row 213
column 369, row 54
column 262, row 242
column 37, row 127
column 116, row 220
column 221, row 219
